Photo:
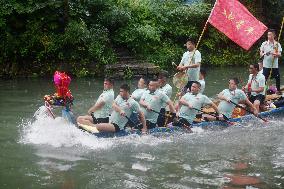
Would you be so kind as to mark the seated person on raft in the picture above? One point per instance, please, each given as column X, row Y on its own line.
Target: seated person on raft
column 255, row 86
column 227, row 96
column 151, row 103
column 99, row 112
column 190, row 103
column 136, row 95
column 165, row 88
column 123, row 107
column 202, row 75
column 141, row 88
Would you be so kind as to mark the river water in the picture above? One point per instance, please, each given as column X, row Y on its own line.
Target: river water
column 38, row 152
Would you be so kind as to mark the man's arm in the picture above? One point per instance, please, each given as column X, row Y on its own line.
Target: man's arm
column 251, row 106
column 116, row 108
column 259, row 90
column 171, row 106
column 96, row 107
column 222, row 97
column 143, row 120
column 277, row 55
column 192, row 65
column 144, row 104
column 214, row 106
column 182, row 101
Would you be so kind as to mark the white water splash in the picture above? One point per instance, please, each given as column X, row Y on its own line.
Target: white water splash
column 140, row 167
column 145, row 156
column 44, row 130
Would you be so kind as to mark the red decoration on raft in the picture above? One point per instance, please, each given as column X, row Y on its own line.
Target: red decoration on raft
column 62, row 82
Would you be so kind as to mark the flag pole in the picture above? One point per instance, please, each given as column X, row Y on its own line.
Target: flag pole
column 204, row 28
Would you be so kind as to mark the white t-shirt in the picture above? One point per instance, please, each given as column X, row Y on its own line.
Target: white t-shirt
column 267, row 59
column 257, row 82
column 107, row 97
column 193, row 73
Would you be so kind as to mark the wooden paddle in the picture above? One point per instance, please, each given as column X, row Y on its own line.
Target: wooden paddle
column 226, row 119
column 258, row 116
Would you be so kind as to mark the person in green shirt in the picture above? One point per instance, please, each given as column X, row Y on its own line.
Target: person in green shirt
column 165, row 88
column 141, row 88
column 235, row 95
column 191, row 102
column 201, row 80
column 100, row 111
column 123, row 107
column 136, row 95
column 152, row 101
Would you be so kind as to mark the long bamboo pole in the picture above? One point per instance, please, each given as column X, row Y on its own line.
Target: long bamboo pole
column 197, row 45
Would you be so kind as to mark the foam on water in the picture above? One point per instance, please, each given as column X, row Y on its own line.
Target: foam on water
column 141, row 167
column 44, row 130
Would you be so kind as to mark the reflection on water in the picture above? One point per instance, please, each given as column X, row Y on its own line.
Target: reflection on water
column 40, row 152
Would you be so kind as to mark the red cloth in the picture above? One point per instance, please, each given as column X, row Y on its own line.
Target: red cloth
column 235, row 21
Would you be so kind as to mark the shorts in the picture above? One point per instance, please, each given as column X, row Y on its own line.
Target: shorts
column 258, row 97
column 100, row 120
column 117, row 128
column 150, row 125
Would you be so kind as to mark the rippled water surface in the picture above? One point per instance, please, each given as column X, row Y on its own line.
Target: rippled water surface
column 38, row 152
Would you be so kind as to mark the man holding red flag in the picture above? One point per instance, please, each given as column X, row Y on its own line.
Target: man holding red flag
column 235, row 21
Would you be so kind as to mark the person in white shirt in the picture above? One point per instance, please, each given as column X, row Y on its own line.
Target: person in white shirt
column 260, row 65
column 191, row 61
column 202, row 75
column 255, row 86
column 271, row 50
column 141, row 88
column 165, row 88
column 100, row 111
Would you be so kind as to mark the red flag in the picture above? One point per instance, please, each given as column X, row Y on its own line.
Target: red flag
column 235, row 21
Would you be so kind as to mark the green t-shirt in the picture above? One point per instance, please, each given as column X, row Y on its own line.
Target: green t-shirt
column 168, row 90
column 236, row 96
column 128, row 106
column 107, row 97
column 136, row 95
column 155, row 101
column 197, row 101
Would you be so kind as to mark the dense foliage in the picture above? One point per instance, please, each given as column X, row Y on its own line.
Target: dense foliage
column 80, row 36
